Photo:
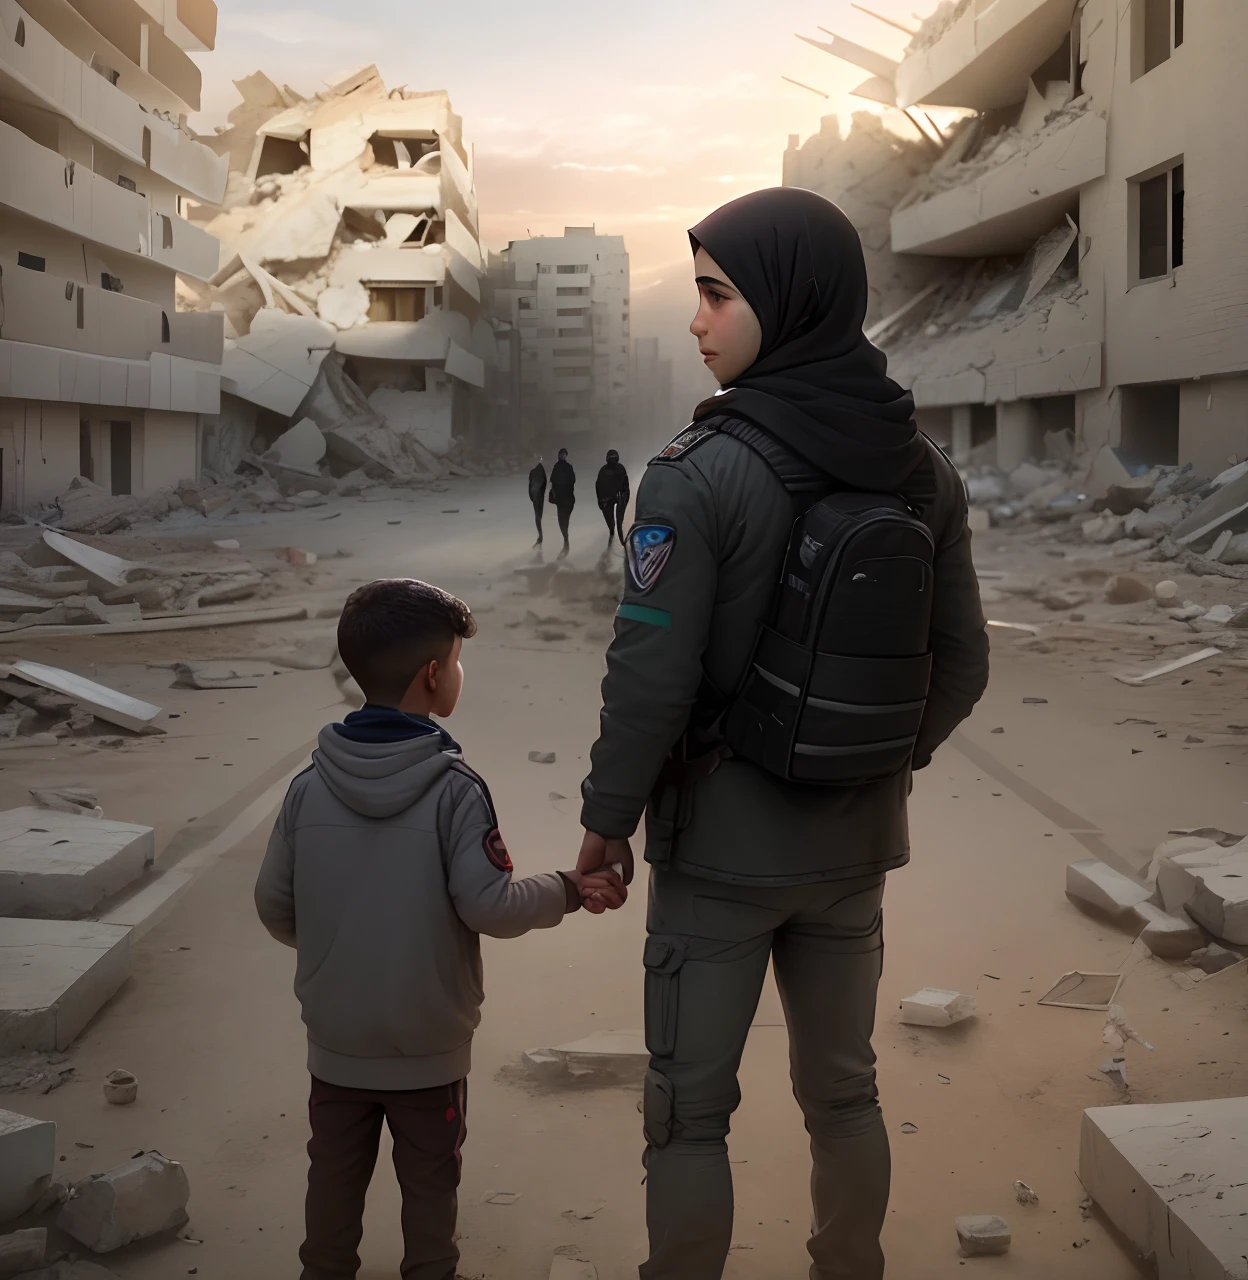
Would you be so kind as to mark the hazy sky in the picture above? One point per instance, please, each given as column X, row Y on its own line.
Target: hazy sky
column 638, row 117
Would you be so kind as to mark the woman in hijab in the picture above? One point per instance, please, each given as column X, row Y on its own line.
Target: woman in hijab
column 747, row 868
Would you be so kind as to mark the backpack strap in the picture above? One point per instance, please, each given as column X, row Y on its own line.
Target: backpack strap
column 796, row 474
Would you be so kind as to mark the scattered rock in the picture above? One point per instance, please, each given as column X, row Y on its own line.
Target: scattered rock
column 22, row 1251
column 1058, row 601
column 1127, row 590
column 983, row 1235
column 1213, row 958
column 1024, row 1194
column 935, row 1007
column 145, row 1196
column 1188, row 611
column 1121, row 499
column 542, row 757
column 1092, row 884
column 1215, row 619
column 607, row 1057
column 121, row 1088
column 1211, row 885
column 1167, row 937
column 1104, row 529
column 297, row 556
column 69, row 799
column 1166, row 590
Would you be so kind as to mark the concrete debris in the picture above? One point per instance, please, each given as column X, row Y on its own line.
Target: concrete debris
column 1078, row 990
column 1171, row 1172
column 27, row 1160
column 1091, row 883
column 22, row 1251
column 542, row 757
column 1211, row 886
column 1166, row 590
column 297, row 556
column 121, row 1088
column 983, row 1235
column 1166, row 669
column 101, row 567
column 146, row 1196
column 61, row 866
column 1024, row 1194
column 1213, row 958
column 221, row 674
column 1105, row 528
column 301, row 447
column 1156, row 522
column 1226, row 508
column 344, row 306
column 1130, row 495
column 76, row 800
column 608, row 1057
column 935, row 1007
column 103, row 702
column 1168, row 937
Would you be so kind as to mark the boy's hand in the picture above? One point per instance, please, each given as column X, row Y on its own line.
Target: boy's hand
column 600, row 890
column 599, row 852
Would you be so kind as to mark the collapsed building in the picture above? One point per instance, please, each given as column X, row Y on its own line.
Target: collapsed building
column 351, row 283
column 1083, row 228
column 100, row 375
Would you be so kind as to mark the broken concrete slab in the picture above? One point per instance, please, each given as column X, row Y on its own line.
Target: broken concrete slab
column 146, row 1196
column 188, row 622
column 1213, row 959
column 936, row 1007
column 1169, row 1176
column 221, row 674
column 607, row 1057
column 301, row 447
column 983, row 1235
column 55, row 975
column 1105, row 528
column 344, row 306
column 27, row 1161
column 276, row 363
column 1168, row 937
column 102, row 567
column 22, row 1251
column 62, row 866
column 1168, row 668
column 1093, row 884
column 1225, row 509
column 100, row 700
column 1211, row 886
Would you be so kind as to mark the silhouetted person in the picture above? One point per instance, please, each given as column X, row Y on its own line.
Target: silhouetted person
column 563, row 494
column 611, row 488
column 537, row 495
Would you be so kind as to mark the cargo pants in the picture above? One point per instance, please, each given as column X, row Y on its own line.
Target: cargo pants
column 706, row 957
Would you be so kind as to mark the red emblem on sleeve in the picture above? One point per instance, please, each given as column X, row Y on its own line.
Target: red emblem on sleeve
column 496, row 851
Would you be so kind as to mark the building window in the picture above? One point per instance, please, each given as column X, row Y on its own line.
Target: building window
column 525, row 304
column 572, row 371
column 31, row 261
column 166, row 231
column 544, row 270
column 82, row 311
column 1158, row 219
column 572, row 311
column 568, row 333
column 164, row 326
column 578, row 291
column 127, row 184
column 578, row 269
column 387, row 303
column 1150, row 424
column 20, row 37
column 1156, row 32
column 109, row 283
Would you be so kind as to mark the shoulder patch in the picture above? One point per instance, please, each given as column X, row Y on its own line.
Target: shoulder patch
column 496, row 850
column 648, row 548
column 689, row 439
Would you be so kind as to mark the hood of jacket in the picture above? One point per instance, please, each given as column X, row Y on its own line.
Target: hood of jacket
column 381, row 779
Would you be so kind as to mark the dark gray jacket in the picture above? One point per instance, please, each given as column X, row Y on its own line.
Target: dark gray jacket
column 385, row 866
column 691, row 633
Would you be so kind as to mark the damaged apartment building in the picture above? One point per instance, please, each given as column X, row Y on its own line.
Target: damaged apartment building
column 100, row 374
column 1072, row 248
column 568, row 297
column 351, row 278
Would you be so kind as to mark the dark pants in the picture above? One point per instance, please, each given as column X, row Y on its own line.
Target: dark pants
column 564, row 512
column 613, row 514
column 706, row 958
column 428, row 1128
column 538, row 506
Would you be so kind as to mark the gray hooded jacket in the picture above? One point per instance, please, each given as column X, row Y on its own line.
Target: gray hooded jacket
column 383, row 869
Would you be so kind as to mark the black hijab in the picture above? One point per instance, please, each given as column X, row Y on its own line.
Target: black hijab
column 818, row 385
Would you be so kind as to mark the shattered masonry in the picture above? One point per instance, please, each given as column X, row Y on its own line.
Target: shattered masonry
column 352, row 279
column 1066, row 258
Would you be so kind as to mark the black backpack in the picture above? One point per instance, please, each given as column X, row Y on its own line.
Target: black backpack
column 837, row 682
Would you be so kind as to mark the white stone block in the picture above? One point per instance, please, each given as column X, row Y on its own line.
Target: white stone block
column 1211, row 885
column 1091, row 883
column 1170, row 1177
column 935, row 1007
column 145, row 1196
column 61, row 866
column 1167, row 937
column 27, row 1159
column 983, row 1234
column 54, row 976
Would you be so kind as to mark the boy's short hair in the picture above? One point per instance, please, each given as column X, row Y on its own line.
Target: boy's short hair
column 394, row 627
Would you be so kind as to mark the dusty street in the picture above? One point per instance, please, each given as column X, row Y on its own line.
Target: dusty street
column 209, row 1025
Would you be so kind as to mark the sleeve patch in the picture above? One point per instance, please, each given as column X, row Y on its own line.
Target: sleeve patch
column 496, row 851
column 648, row 549
column 688, row 439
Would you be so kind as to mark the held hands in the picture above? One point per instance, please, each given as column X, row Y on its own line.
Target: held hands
column 604, row 868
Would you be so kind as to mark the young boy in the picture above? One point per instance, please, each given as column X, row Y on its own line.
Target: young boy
column 384, row 867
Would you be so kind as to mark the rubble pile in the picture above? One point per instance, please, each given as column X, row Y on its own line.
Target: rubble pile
column 936, row 24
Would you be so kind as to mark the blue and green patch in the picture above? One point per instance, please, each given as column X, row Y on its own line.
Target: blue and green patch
column 643, row 613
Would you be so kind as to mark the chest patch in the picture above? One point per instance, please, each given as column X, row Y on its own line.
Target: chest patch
column 649, row 548
column 688, row 439
column 496, row 851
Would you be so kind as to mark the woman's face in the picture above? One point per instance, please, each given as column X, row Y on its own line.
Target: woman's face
column 728, row 333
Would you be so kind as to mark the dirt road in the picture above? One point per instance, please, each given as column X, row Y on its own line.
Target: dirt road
column 209, row 1025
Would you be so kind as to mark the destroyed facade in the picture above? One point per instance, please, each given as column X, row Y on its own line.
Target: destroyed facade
column 351, row 280
column 569, row 298
column 1077, row 235
column 100, row 375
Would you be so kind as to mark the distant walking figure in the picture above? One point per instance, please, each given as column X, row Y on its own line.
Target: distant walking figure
column 563, row 494
column 611, row 488
column 537, row 495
